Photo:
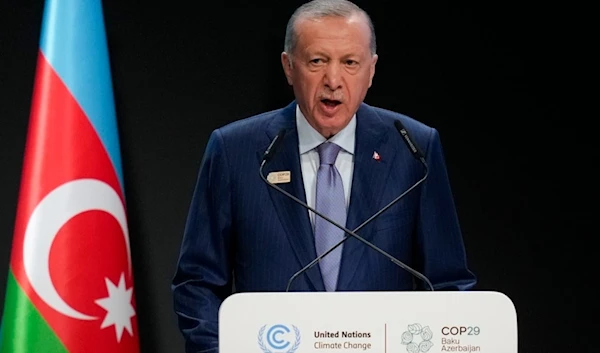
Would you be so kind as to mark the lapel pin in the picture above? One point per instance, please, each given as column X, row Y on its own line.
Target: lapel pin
column 376, row 156
column 279, row 177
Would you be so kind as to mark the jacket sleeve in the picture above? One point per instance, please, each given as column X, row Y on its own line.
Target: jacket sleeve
column 203, row 277
column 440, row 248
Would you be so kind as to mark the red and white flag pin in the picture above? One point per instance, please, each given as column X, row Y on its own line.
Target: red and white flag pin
column 376, row 156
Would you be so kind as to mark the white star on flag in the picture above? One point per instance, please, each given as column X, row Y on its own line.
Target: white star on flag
column 119, row 310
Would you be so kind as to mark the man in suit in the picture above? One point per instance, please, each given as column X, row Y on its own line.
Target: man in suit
column 340, row 156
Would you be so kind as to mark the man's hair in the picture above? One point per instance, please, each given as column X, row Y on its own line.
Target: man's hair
column 324, row 8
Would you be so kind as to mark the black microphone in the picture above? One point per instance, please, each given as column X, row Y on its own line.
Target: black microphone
column 409, row 142
column 272, row 149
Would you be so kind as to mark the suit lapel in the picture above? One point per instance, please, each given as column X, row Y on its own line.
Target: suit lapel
column 293, row 217
column 368, row 183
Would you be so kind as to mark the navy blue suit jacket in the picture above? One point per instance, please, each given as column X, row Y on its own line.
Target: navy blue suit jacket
column 241, row 230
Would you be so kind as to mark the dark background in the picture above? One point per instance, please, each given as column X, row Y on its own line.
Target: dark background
column 499, row 82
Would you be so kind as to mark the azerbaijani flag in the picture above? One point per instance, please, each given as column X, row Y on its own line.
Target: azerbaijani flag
column 70, row 285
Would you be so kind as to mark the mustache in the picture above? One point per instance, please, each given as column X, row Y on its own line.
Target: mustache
column 333, row 96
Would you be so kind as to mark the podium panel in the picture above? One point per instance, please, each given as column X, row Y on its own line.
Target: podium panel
column 368, row 322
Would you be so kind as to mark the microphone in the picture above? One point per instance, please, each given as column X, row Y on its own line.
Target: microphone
column 411, row 145
column 273, row 149
column 273, row 146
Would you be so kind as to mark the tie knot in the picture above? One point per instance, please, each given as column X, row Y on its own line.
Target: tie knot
column 328, row 152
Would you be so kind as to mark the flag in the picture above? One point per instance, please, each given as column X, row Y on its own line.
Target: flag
column 70, row 282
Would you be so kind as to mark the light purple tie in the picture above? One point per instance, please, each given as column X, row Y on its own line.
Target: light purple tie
column 330, row 202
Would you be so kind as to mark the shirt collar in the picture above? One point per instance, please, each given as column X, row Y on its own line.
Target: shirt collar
column 309, row 138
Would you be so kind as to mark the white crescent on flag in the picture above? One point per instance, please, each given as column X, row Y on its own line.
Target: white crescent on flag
column 57, row 208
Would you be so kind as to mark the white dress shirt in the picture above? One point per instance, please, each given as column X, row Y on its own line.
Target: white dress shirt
column 309, row 139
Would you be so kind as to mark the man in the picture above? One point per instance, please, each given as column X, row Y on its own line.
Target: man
column 242, row 231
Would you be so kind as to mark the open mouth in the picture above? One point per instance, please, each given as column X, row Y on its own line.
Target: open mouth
column 331, row 103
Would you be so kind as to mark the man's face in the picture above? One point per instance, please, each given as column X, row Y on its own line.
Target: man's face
column 331, row 70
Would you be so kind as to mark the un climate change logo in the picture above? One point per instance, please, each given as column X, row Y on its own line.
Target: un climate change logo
column 278, row 339
column 417, row 338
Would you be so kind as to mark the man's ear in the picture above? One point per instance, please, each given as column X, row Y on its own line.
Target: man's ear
column 286, row 62
column 372, row 68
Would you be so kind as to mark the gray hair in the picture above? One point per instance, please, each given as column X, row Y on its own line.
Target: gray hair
column 324, row 8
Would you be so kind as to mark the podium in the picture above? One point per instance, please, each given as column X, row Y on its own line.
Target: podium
column 368, row 322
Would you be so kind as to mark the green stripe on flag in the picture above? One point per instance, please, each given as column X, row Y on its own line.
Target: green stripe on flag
column 24, row 330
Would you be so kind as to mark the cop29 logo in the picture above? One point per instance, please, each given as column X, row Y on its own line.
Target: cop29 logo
column 417, row 338
column 278, row 339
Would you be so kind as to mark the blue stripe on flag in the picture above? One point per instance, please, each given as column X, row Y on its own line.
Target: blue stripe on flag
column 73, row 40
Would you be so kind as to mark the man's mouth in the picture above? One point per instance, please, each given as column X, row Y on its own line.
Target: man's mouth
column 331, row 103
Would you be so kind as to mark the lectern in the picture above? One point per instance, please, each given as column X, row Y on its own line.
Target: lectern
column 368, row 322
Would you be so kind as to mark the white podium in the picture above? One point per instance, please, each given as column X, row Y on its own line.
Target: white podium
column 369, row 322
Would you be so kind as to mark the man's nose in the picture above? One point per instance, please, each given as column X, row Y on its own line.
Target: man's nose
column 333, row 76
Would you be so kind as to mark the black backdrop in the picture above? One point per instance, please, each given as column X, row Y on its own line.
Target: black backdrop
column 493, row 80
